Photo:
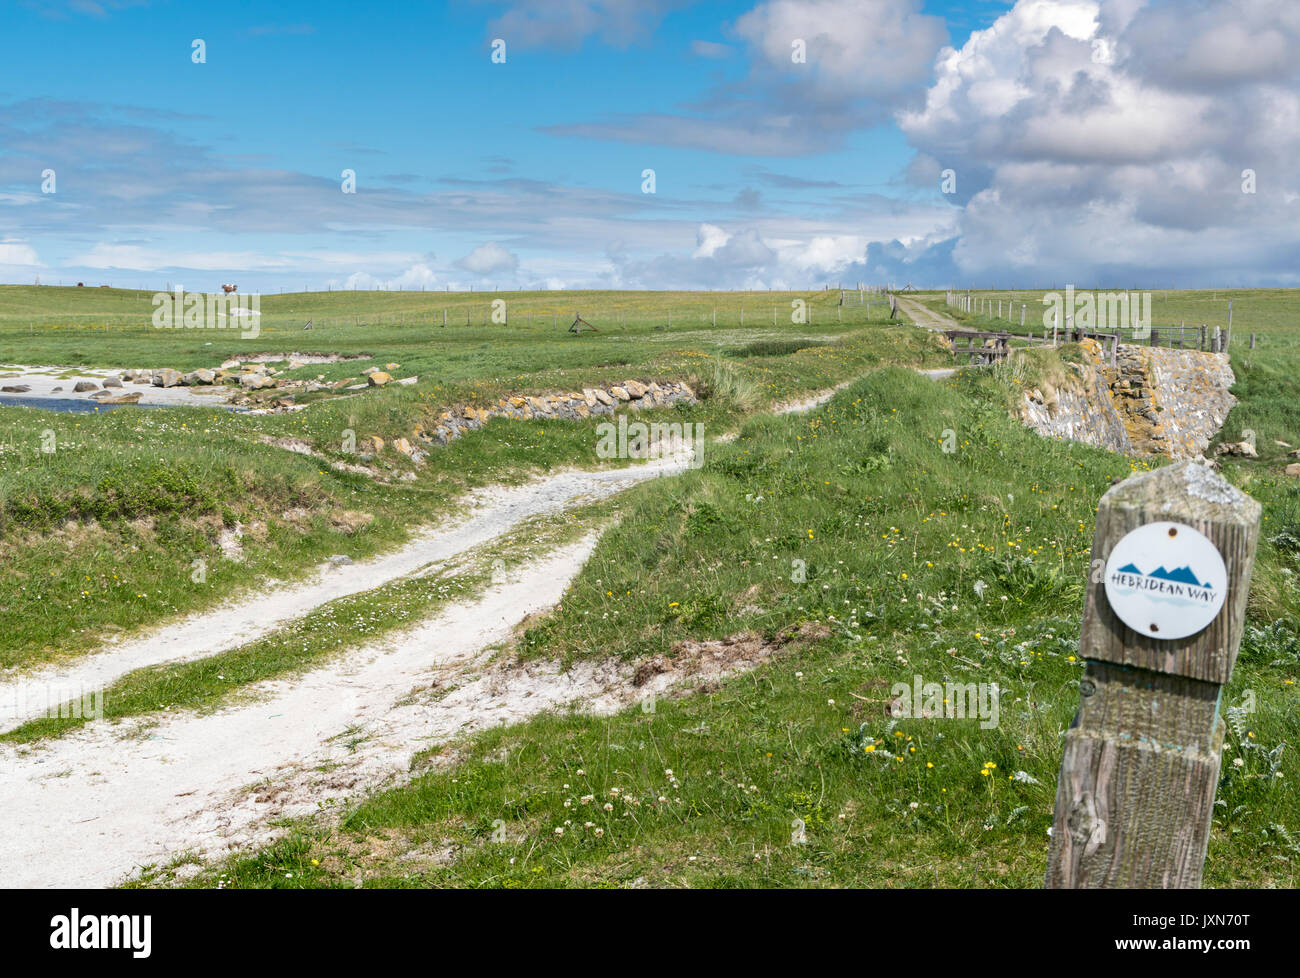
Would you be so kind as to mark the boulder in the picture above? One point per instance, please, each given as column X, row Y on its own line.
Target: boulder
column 166, row 377
column 379, row 378
column 112, row 382
column 1293, row 469
column 603, row 397
column 1243, row 449
column 403, row 446
column 635, row 389
column 15, row 389
column 132, row 398
column 81, row 386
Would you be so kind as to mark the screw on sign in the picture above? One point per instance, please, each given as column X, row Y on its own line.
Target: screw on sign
column 1161, row 629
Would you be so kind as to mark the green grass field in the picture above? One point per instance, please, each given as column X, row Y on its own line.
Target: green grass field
column 107, row 528
column 965, row 566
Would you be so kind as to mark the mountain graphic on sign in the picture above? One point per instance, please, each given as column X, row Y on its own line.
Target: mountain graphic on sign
column 1182, row 575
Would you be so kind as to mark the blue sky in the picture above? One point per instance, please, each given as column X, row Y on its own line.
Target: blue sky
column 1089, row 140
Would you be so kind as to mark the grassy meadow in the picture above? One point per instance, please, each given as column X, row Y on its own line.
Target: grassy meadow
column 106, row 530
column 963, row 566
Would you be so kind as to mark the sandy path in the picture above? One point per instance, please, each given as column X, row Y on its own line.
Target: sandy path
column 806, row 404
column 95, row 805
column 28, row 694
column 924, row 316
column 99, row 804
column 495, row 512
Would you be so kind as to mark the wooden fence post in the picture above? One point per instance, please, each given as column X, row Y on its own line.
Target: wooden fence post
column 1141, row 761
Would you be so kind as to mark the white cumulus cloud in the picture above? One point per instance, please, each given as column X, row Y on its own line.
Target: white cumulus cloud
column 489, row 258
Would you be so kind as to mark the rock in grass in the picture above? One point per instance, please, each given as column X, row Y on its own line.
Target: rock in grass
column 379, row 378
column 340, row 560
column 1242, row 448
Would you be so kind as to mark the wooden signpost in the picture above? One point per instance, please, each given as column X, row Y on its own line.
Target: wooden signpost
column 1141, row 761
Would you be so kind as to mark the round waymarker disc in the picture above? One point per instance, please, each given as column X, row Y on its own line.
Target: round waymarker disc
column 1166, row 580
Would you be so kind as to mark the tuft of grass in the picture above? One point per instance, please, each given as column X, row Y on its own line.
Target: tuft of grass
column 723, row 381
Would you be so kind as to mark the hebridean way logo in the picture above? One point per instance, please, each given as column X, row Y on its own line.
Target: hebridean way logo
column 1166, row 580
column 1178, row 586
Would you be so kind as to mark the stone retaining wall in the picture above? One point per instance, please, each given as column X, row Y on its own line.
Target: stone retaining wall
column 591, row 401
column 606, row 400
column 1153, row 402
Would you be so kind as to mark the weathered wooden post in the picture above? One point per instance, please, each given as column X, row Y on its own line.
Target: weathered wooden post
column 1252, row 341
column 1161, row 627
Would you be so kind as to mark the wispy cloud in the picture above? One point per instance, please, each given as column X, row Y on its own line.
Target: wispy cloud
column 566, row 24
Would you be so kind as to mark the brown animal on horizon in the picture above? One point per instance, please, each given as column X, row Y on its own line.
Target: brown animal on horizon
column 229, row 289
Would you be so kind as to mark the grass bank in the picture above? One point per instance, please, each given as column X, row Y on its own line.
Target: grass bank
column 961, row 566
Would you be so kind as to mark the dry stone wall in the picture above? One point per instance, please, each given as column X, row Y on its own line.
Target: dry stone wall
column 1153, row 402
column 606, row 400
